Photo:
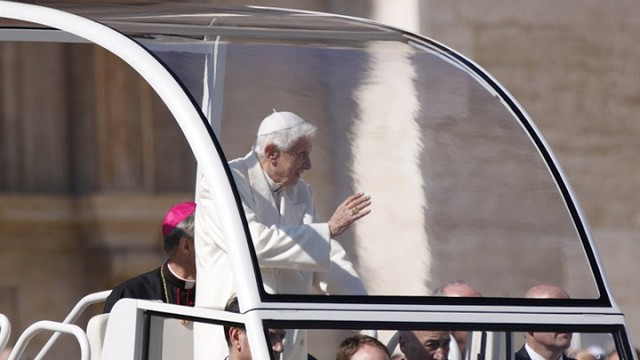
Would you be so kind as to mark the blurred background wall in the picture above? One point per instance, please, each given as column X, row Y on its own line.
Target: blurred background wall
column 572, row 65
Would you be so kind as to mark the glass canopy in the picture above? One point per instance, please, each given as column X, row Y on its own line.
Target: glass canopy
column 462, row 184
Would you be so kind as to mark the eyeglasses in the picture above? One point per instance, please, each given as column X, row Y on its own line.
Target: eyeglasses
column 433, row 345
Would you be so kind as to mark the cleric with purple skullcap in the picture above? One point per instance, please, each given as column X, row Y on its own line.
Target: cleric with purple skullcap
column 175, row 215
column 174, row 282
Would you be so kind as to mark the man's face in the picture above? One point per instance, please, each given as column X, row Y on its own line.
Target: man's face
column 276, row 338
column 369, row 352
column 551, row 341
column 289, row 165
column 425, row 345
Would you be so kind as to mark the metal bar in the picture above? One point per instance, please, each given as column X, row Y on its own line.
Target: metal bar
column 31, row 331
column 5, row 331
column 72, row 317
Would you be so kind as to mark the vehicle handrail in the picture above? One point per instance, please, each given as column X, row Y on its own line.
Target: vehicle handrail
column 35, row 328
column 73, row 316
column 5, row 331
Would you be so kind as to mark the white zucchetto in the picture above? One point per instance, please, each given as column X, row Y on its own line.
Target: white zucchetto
column 279, row 121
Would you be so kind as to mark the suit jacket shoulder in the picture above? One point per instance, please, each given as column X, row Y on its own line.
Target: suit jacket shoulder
column 147, row 286
column 522, row 354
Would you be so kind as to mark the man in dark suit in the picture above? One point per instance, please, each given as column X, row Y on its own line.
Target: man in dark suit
column 545, row 345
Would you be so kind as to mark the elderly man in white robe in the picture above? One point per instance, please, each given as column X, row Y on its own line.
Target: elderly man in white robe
column 297, row 253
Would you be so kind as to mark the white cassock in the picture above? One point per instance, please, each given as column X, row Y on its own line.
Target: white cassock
column 295, row 251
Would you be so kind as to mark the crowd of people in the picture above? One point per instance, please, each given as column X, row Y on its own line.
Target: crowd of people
column 297, row 253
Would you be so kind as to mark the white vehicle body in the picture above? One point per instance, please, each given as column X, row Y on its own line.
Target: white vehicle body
column 155, row 40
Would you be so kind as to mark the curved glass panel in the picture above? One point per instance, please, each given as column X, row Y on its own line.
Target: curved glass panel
column 172, row 338
column 459, row 188
column 459, row 191
column 480, row 341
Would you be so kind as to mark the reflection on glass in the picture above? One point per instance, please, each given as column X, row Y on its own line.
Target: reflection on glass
column 420, row 344
column 458, row 188
column 170, row 339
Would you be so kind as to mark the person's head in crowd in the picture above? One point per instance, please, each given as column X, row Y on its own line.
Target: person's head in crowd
column 283, row 147
column 549, row 345
column 236, row 336
column 545, row 291
column 424, row 344
column 458, row 288
column 178, row 233
column 362, row 347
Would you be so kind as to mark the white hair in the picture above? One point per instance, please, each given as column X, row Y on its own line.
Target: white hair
column 283, row 139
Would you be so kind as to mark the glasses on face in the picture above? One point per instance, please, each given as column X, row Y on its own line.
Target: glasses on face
column 433, row 345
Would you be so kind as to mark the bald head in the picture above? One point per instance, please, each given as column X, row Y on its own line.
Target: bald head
column 544, row 291
column 457, row 288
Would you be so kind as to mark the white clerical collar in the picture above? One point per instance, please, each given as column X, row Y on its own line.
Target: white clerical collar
column 535, row 356
column 188, row 284
column 275, row 187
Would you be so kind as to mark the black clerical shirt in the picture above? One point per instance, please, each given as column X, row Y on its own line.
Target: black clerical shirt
column 150, row 286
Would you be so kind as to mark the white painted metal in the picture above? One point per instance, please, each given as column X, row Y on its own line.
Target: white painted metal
column 5, row 331
column 123, row 338
column 452, row 314
column 46, row 325
column 77, row 310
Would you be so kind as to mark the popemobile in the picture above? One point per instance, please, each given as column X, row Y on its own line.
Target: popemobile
column 463, row 191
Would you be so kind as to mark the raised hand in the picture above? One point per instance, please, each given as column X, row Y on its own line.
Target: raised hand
column 352, row 209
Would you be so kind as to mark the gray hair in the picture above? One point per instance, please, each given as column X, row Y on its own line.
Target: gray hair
column 184, row 229
column 232, row 306
column 283, row 139
column 441, row 290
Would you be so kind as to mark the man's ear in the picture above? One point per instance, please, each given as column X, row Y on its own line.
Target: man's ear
column 185, row 244
column 234, row 336
column 271, row 152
